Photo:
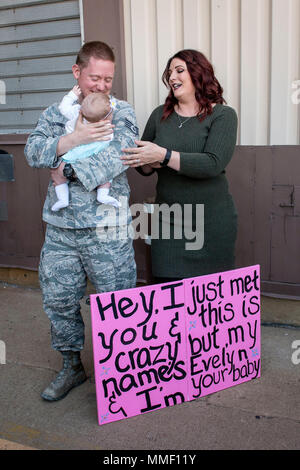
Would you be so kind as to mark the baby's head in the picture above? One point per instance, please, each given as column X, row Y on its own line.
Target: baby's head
column 96, row 106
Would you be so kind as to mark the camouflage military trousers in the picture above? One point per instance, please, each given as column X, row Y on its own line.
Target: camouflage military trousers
column 68, row 257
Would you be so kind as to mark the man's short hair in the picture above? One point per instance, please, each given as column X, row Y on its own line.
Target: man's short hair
column 96, row 49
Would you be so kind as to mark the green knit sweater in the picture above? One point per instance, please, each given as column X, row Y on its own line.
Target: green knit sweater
column 205, row 150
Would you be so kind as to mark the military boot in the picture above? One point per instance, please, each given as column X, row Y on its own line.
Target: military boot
column 71, row 375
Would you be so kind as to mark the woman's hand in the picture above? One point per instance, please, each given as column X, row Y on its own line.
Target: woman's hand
column 146, row 153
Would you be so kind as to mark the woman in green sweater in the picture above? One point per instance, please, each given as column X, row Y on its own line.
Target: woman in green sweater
column 189, row 141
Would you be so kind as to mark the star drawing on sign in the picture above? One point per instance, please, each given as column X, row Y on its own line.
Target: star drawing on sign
column 192, row 324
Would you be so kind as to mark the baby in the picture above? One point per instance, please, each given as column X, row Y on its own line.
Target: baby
column 94, row 107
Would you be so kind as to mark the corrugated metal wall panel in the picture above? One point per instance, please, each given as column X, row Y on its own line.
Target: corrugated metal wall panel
column 22, row 119
column 172, row 29
column 255, row 71
column 284, row 70
column 24, row 101
column 20, row 3
column 30, row 31
column 29, row 67
column 39, row 41
column 38, row 83
column 37, row 48
column 38, row 11
column 254, row 46
column 144, row 55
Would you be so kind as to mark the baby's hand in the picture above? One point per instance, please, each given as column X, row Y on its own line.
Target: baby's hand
column 76, row 90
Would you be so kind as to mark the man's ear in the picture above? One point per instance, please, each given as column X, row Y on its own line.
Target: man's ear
column 76, row 71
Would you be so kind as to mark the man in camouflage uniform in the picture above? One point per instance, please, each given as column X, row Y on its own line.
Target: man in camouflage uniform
column 77, row 244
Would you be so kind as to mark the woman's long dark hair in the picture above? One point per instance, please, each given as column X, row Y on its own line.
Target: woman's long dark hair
column 208, row 89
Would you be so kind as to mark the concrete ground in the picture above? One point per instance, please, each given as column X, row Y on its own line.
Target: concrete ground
column 260, row 414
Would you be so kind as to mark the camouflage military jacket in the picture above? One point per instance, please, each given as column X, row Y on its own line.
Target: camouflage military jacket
column 84, row 210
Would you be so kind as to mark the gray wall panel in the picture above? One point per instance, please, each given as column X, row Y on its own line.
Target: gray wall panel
column 39, row 12
column 39, row 41
column 39, row 30
column 22, row 119
column 37, row 48
column 43, row 82
column 21, row 3
column 36, row 66
column 33, row 100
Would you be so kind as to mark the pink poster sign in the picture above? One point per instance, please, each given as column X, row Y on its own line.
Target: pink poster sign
column 161, row 345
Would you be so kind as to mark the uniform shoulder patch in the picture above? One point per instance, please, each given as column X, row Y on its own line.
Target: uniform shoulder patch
column 131, row 126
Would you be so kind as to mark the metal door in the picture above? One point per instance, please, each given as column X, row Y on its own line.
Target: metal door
column 285, row 234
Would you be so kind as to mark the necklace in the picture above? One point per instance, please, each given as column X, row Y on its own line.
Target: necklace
column 183, row 122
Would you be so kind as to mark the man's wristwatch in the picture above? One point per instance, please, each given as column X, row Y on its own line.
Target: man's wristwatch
column 69, row 172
